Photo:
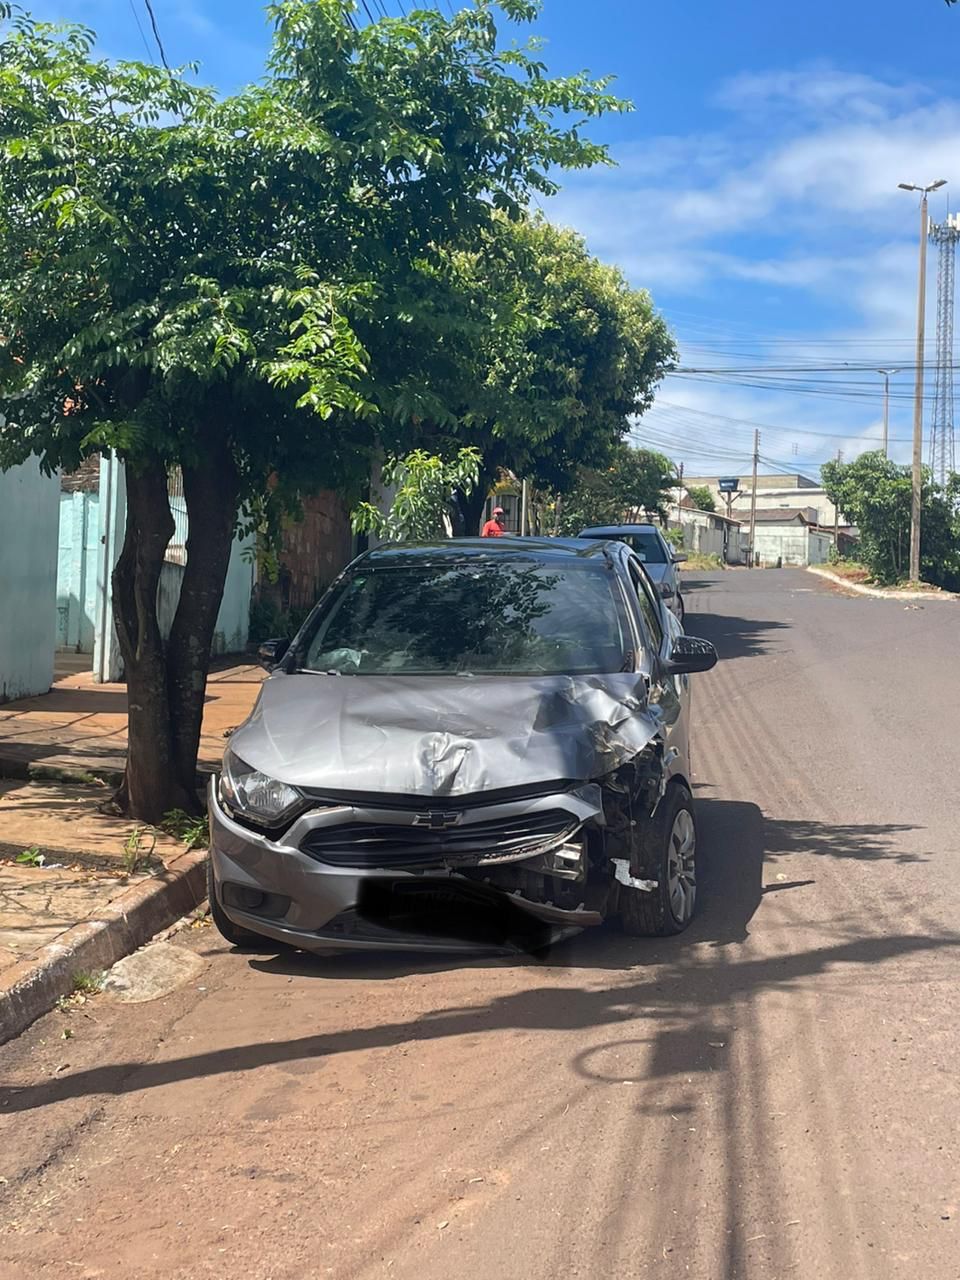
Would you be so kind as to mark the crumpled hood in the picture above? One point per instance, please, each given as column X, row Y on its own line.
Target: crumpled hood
column 444, row 736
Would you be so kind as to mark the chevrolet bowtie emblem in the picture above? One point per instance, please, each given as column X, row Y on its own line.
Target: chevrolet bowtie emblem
column 437, row 819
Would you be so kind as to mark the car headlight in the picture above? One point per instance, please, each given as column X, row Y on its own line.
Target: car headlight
column 255, row 795
column 665, row 589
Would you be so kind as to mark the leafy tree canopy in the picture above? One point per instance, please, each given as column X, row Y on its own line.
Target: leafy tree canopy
column 423, row 486
column 874, row 493
column 633, row 486
column 702, row 497
column 217, row 283
column 550, row 352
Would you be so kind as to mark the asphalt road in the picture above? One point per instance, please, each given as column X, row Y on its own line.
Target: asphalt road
column 772, row 1095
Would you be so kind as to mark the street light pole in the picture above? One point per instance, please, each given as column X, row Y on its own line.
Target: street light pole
column 917, row 470
column 887, row 374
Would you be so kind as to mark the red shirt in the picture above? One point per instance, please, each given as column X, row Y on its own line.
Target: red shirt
column 492, row 530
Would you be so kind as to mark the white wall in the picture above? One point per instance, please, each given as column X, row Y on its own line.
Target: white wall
column 29, row 521
column 780, row 499
column 233, row 620
column 792, row 545
column 820, row 544
column 814, row 500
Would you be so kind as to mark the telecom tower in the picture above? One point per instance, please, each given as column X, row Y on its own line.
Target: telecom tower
column 942, row 454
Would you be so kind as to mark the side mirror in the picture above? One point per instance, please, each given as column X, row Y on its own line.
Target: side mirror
column 689, row 654
column 271, row 652
column 679, row 557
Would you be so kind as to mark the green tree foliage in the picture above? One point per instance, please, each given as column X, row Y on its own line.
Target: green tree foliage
column 555, row 352
column 219, row 284
column 874, row 493
column 632, row 486
column 424, row 486
column 702, row 497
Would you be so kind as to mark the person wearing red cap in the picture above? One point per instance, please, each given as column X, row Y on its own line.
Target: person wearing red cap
column 494, row 528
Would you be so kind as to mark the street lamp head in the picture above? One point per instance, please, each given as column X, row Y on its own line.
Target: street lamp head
column 940, row 182
column 908, row 186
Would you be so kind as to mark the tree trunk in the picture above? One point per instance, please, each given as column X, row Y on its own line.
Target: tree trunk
column 210, row 492
column 166, row 683
column 146, row 790
column 470, row 506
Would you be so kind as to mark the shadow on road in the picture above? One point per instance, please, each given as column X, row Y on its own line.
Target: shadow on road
column 867, row 842
column 734, row 637
column 670, row 978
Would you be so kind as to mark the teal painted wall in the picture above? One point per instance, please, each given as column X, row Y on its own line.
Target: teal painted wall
column 77, row 570
column 29, row 519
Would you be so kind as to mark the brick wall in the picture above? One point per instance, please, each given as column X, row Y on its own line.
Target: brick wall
column 86, row 478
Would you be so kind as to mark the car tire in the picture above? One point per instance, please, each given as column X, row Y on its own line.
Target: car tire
column 670, row 840
column 231, row 932
column 681, row 611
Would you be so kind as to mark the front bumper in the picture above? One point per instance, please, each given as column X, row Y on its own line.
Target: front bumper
column 272, row 888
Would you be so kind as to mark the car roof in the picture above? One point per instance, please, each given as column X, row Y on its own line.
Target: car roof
column 506, row 548
column 617, row 530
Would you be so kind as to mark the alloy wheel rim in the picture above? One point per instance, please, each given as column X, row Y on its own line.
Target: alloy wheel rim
column 682, row 866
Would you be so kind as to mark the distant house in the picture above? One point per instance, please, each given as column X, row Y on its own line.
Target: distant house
column 709, row 533
column 791, row 536
column 782, row 493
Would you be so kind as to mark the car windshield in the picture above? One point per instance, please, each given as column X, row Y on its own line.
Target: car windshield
column 646, row 546
column 471, row 619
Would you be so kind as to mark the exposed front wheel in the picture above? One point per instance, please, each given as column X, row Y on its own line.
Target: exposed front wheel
column 670, row 841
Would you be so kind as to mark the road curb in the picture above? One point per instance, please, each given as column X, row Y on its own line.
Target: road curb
column 32, row 987
column 28, row 770
column 24, row 768
column 880, row 593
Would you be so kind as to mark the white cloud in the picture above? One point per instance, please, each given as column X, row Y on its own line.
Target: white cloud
column 819, row 91
column 806, row 204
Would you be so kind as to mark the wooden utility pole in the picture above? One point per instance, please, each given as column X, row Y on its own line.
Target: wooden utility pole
column 753, row 496
column 836, row 514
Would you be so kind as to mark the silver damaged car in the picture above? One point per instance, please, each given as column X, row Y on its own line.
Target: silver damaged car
column 473, row 744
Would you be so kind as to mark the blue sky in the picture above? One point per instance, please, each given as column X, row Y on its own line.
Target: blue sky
column 755, row 193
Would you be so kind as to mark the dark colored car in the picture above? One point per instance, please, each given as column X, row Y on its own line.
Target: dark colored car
column 659, row 559
column 466, row 743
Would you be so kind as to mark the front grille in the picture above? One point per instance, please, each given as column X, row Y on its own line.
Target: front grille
column 383, row 845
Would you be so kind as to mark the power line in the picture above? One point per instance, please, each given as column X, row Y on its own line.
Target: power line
column 136, row 18
column 839, row 366
column 156, row 33
column 840, row 394
column 766, row 426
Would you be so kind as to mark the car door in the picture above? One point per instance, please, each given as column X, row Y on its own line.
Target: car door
column 670, row 693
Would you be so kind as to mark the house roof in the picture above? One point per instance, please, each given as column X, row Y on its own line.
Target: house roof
column 781, row 515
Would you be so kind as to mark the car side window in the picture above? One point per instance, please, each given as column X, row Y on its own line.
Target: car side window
column 648, row 606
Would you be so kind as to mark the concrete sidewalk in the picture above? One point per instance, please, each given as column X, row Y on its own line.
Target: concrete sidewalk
column 81, row 728
column 80, row 887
